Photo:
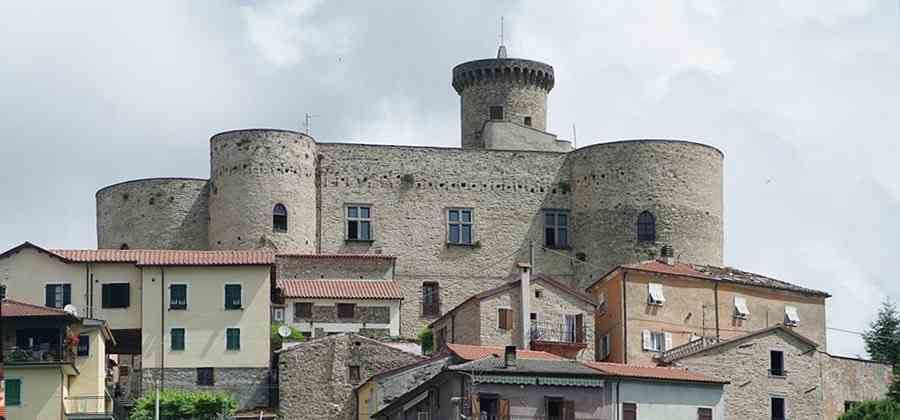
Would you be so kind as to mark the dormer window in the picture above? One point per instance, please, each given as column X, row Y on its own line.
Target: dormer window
column 740, row 308
column 791, row 317
column 496, row 113
column 656, row 297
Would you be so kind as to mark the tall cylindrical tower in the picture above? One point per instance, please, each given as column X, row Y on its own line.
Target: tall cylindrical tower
column 262, row 190
column 506, row 89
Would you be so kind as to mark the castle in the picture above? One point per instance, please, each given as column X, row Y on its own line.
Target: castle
column 456, row 218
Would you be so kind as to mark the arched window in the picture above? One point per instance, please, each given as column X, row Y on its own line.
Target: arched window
column 646, row 226
column 279, row 218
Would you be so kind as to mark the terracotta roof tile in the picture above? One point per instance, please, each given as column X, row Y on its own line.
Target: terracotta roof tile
column 158, row 257
column 340, row 289
column 469, row 352
column 13, row 308
column 650, row 372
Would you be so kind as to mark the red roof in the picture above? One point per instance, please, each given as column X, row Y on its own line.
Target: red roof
column 469, row 352
column 678, row 268
column 12, row 308
column 650, row 372
column 160, row 257
column 340, row 289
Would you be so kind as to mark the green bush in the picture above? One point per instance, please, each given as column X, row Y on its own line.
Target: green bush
column 276, row 338
column 874, row 410
column 426, row 340
column 180, row 405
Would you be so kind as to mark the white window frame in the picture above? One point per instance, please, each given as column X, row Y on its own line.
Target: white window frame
column 187, row 296
column 358, row 219
column 663, row 339
column 276, row 310
column 129, row 296
column 556, row 226
column 470, row 223
column 224, row 295
column 655, row 295
column 741, row 310
column 791, row 316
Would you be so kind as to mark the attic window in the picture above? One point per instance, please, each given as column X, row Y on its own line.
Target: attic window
column 740, row 308
column 791, row 317
column 656, row 294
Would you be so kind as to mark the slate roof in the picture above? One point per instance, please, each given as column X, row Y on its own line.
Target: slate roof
column 714, row 273
column 650, row 372
column 469, row 352
column 13, row 309
column 340, row 289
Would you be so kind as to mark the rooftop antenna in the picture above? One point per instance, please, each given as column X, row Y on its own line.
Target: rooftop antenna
column 306, row 122
column 501, row 52
column 574, row 136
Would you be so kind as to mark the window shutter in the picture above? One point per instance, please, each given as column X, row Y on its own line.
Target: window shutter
column 569, row 410
column 125, row 295
column 646, row 340
column 503, row 410
column 668, row 341
column 49, row 296
column 509, row 319
column 501, row 318
column 13, row 394
column 67, row 294
column 106, row 296
column 579, row 328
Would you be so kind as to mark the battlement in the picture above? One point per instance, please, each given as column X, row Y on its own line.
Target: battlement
column 505, row 70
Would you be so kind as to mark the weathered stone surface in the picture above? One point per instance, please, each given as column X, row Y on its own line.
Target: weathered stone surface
column 328, row 313
column 314, row 376
column 856, row 380
column 311, row 268
column 249, row 386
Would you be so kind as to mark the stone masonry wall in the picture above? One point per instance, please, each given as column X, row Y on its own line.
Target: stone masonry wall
column 855, row 380
column 314, row 376
column 313, row 268
column 249, row 386
column 746, row 366
column 157, row 213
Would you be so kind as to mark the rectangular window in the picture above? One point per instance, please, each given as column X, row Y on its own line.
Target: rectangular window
column 496, row 112
column 177, row 339
column 84, row 346
column 431, row 299
column 359, row 223
column 116, row 295
column 741, row 311
column 704, row 414
column 777, row 408
column 604, row 346
column 601, row 304
column 353, row 374
column 12, row 392
column 278, row 314
column 776, row 363
column 791, row 317
column 656, row 341
column 528, row 121
column 303, row 310
column 58, row 295
column 556, row 228
column 629, row 411
column 505, row 319
column 233, row 339
column 346, row 310
column 656, row 297
column 206, row 377
column 232, row 296
column 178, row 297
column 533, row 316
column 459, row 226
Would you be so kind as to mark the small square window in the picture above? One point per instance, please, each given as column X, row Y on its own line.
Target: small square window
column 205, row 377
column 116, row 295
column 353, row 374
column 346, row 310
column 528, row 121
column 538, row 293
column 58, row 295
column 232, row 296
column 303, row 310
column 496, row 112
column 84, row 345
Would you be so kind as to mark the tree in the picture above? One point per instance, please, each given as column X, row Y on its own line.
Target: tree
column 883, row 342
column 183, row 405
column 874, row 410
column 426, row 340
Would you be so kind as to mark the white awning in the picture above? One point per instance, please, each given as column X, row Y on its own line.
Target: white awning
column 740, row 307
column 656, row 293
column 791, row 316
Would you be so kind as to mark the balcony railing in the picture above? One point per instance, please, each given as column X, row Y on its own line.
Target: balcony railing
column 558, row 333
column 93, row 406
column 39, row 354
column 688, row 348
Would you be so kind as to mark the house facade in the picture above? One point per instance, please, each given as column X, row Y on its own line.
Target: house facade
column 320, row 307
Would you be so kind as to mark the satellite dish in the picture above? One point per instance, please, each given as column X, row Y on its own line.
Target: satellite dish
column 284, row 331
column 71, row 310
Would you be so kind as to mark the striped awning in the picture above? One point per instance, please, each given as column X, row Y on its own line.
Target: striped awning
column 539, row 380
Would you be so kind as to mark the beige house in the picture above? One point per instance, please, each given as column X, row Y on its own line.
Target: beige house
column 203, row 316
column 56, row 364
column 537, row 313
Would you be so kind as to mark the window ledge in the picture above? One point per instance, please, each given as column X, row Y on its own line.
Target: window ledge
column 559, row 248
column 235, row 309
column 457, row 245
column 771, row 376
column 362, row 241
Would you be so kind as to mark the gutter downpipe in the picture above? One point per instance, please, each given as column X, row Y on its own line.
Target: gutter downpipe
column 162, row 328
column 618, row 397
column 716, row 294
column 624, row 316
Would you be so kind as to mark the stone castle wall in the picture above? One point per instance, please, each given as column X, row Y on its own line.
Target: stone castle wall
column 164, row 213
column 250, row 172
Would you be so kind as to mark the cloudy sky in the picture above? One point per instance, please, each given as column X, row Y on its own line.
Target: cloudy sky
column 798, row 94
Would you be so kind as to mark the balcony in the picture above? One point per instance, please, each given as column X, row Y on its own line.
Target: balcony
column 688, row 348
column 37, row 355
column 563, row 339
column 89, row 407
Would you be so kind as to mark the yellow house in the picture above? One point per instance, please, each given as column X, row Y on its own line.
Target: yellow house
column 188, row 319
column 55, row 364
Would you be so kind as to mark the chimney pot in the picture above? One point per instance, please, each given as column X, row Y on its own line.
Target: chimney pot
column 668, row 254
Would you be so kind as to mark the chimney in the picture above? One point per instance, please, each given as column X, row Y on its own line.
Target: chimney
column 668, row 254
column 509, row 357
column 525, row 312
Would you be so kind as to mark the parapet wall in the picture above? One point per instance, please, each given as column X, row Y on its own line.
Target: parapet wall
column 159, row 213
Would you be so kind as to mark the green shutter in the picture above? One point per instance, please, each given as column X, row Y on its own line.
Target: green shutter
column 232, row 296
column 177, row 338
column 233, row 339
column 13, row 392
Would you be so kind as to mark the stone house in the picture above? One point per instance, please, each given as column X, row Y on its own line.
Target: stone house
column 778, row 373
column 536, row 312
column 317, row 378
column 652, row 306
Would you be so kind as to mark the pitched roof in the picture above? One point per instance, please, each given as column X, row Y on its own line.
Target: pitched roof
column 14, row 309
column 681, row 352
column 650, row 372
column 713, row 273
column 340, row 289
column 469, row 352
column 155, row 257
column 514, row 283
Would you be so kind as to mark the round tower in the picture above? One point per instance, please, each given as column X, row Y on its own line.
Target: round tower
column 505, row 89
column 262, row 191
